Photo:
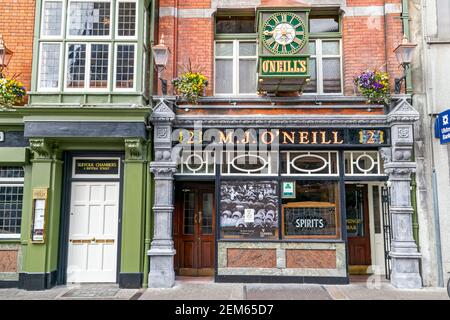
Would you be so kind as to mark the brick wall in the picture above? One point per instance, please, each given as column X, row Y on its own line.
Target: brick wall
column 17, row 27
column 368, row 39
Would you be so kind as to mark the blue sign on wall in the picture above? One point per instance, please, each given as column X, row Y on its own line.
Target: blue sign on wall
column 443, row 126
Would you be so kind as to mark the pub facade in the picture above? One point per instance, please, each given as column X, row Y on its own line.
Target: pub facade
column 282, row 172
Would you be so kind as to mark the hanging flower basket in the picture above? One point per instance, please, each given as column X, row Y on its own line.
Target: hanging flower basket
column 12, row 92
column 374, row 85
column 190, row 86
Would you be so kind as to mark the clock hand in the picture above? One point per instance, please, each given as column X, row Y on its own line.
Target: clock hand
column 268, row 33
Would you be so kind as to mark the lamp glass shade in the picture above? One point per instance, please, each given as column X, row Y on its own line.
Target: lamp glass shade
column 5, row 56
column 161, row 55
column 404, row 53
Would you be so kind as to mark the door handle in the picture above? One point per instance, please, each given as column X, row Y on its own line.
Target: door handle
column 200, row 217
column 195, row 218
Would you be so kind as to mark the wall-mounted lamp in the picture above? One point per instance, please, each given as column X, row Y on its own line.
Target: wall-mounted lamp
column 161, row 57
column 404, row 53
column 5, row 56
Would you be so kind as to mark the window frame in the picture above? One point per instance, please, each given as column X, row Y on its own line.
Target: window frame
column 90, row 38
column 60, row 66
column 87, row 67
column 134, row 67
column 235, row 59
column 16, row 182
column 319, row 65
column 136, row 22
column 63, row 23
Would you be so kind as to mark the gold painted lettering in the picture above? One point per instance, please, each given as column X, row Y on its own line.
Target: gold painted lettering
column 323, row 135
column 304, row 137
column 288, row 136
column 336, row 138
column 225, row 139
column 303, row 66
column 314, row 137
column 264, row 137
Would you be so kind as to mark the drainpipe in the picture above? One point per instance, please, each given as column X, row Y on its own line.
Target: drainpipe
column 415, row 218
column 406, row 31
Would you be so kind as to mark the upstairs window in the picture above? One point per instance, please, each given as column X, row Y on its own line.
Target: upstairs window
column 88, row 60
column 325, row 48
column 443, row 20
column 236, row 56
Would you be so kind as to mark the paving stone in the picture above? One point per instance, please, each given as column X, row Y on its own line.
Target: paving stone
column 286, row 292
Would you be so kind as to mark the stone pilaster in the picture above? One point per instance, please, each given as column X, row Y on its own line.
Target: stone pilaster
column 162, row 252
column 399, row 165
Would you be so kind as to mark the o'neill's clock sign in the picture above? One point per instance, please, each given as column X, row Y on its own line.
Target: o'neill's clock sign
column 283, row 53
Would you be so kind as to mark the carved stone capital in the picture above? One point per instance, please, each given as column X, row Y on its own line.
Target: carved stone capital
column 162, row 113
column 163, row 169
column 41, row 148
column 134, row 149
column 403, row 112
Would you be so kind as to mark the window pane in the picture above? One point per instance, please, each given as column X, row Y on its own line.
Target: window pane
column 127, row 19
column 224, row 76
column 89, row 18
column 125, row 66
column 11, row 172
column 331, row 75
column 330, row 48
column 247, row 49
column 312, row 48
column 235, row 25
column 11, row 199
column 49, row 65
column 76, row 66
column 247, row 76
column 311, row 87
column 443, row 14
column 224, row 49
column 99, row 66
column 51, row 18
column 329, row 24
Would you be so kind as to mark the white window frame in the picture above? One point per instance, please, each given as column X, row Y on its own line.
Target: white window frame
column 87, row 68
column 63, row 22
column 229, row 157
column 134, row 69
column 12, row 182
column 328, row 163
column 377, row 163
column 90, row 38
column 235, row 58
column 186, row 155
column 116, row 27
column 46, row 89
column 319, row 66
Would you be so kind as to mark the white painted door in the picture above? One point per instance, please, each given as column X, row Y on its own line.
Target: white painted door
column 93, row 232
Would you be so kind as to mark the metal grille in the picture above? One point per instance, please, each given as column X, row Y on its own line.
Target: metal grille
column 387, row 231
column 127, row 19
column 11, row 172
column 310, row 221
column 11, row 198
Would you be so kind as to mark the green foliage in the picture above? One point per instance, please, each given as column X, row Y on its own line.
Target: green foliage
column 374, row 85
column 190, row 85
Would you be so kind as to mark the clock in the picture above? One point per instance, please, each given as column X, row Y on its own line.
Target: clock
column 284, row 33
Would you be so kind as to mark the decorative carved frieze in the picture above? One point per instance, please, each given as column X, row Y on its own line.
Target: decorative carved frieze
column 134, row 149
column 41, row 149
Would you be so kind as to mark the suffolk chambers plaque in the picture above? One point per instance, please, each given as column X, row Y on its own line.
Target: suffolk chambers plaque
column 102, row 167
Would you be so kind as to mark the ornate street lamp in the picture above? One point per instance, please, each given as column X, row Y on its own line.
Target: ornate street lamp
column 404, row 53
column 5, row 56
column 161, row 56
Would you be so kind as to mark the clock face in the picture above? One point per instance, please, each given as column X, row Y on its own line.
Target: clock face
column 284, row 33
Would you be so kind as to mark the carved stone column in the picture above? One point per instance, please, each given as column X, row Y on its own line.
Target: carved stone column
column 162, row 252
column 399, row 165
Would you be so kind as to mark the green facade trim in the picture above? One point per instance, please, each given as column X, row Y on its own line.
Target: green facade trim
column 11, row 156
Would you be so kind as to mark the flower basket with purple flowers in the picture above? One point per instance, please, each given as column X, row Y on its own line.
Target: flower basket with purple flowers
column 374, row 85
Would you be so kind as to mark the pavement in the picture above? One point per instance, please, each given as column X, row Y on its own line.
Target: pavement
column 373, row 288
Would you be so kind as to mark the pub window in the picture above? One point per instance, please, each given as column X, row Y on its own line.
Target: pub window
column 313, row 212
column 235, row 67
column 52, row 13
column 309, row 163
column 363, row 163
column 11, row 201
column 49, row 71
column 235, row 24
column 249, row 209
column 325, row 48
column 240, row 163
column 89, row 18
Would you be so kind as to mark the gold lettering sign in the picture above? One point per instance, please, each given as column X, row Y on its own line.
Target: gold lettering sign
column 284, row 66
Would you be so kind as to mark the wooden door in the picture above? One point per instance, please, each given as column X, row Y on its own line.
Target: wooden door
column 194, row 231
column 358, row 229
column 93, row 232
